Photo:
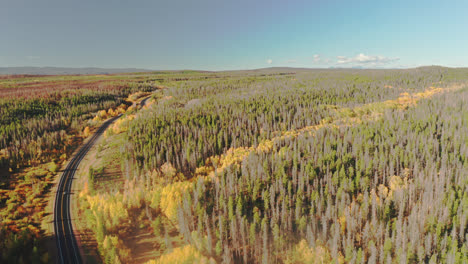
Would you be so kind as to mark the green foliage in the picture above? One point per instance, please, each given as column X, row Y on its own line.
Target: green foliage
column 329, row 169
column 356, row 188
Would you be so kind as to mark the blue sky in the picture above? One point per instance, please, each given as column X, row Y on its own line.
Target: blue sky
column 242, row 34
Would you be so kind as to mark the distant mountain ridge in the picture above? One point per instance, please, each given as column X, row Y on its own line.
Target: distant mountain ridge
column 65, row 70
column 95, row 70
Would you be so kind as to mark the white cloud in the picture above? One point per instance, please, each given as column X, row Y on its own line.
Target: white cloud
column 269, row 61
column 366, row 60
column 317, row 58
column 343, row 59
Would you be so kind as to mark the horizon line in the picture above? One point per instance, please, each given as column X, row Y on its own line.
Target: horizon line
column 138, row 69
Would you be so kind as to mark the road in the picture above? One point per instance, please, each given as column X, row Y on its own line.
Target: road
column 68, row 251
column 143, row 102
column 67, row 247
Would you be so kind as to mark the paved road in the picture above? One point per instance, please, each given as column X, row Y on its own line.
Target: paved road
column 143, row 102
column 68, row 251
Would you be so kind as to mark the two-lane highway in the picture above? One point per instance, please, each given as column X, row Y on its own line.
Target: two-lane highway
column 68, row 251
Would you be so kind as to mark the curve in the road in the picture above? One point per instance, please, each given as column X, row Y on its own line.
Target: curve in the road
column 143, row 102
column 68, row 251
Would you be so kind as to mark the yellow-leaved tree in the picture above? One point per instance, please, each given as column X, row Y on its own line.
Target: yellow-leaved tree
column 171, row 198
column 182, row 255
column 86, row 132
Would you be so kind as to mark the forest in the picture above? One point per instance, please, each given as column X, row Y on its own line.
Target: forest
column 346, row 166
column 263, row 166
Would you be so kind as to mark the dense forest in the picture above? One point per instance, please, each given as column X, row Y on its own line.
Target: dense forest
column 293, row 167
column 264, row 166
column 393, row 190
column 205, row 118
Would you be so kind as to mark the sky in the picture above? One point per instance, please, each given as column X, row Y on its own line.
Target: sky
column 228, row 35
